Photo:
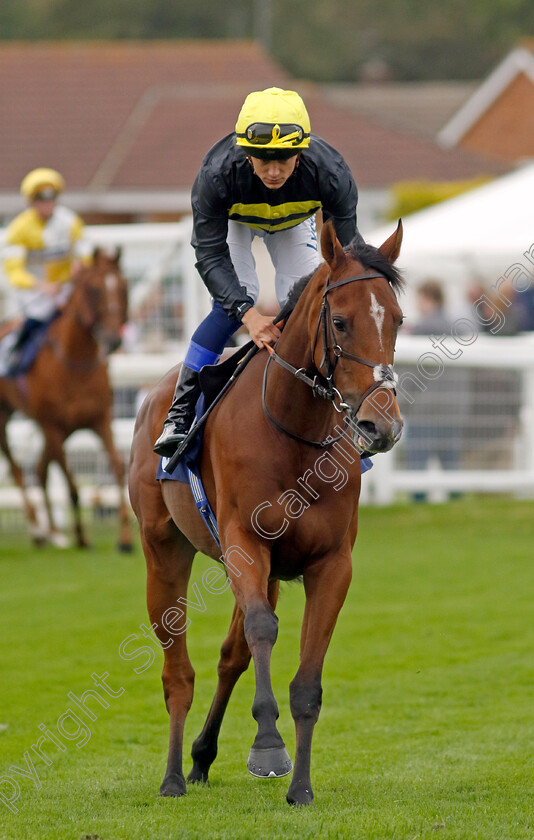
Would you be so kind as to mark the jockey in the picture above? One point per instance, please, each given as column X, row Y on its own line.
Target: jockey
column 267, row 179
column 43, row 250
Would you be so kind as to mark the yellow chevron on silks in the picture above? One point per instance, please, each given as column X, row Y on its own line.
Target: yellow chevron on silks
column 273, row 217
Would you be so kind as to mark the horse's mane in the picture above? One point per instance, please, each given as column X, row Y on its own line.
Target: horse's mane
column 371, row 257
column 368, row 255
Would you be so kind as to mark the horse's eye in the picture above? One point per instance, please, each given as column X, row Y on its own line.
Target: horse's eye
column 339, row 324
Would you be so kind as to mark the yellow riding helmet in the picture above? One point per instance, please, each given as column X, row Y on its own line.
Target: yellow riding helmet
column 41, row 179
column 273, row 121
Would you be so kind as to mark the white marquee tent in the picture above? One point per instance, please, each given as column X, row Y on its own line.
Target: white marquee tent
column 473, row 237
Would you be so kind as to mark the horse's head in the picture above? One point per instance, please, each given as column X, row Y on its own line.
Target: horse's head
column 354, row 334
column 100, row 298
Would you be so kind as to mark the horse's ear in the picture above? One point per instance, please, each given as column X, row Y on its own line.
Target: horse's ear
column 390, row 249
column 331, row 247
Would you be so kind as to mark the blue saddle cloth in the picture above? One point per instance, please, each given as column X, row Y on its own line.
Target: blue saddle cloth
column 188, row 472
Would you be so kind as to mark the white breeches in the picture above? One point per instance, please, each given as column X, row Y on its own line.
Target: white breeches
column 293, row 254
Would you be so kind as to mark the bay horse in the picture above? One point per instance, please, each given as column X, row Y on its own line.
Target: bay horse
column 305, row 410
column 68, row 388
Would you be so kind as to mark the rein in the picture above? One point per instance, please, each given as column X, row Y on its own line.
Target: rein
column 384, row 375
column 318, row 390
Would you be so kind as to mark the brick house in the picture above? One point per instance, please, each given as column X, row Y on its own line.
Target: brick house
column 497, row 120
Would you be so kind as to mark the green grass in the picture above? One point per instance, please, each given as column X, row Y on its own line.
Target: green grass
column 427, row 721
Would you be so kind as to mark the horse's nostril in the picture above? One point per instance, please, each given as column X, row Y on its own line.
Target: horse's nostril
column 367, row 426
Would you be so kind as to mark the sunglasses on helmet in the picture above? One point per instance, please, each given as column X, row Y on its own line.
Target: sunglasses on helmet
column 46, row 194
column 261, row 134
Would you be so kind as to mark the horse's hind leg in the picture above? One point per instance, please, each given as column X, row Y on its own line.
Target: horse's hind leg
column 169, row 558
column 18, row 478
column 234, row 660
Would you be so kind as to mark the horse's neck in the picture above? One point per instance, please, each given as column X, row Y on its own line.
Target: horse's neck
column 290, row 400
column 74, row 340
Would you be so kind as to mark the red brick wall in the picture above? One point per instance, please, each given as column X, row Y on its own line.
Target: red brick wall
column 506, row 130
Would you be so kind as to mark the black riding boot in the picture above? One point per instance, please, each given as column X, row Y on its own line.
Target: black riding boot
column 181, row 413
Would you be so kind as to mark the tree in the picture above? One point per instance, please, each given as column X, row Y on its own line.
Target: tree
column 313, row 39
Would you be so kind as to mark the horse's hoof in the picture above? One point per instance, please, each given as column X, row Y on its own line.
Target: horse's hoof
column 299, row 796
column 125, row 547
column 39, row 535
column 270, row 763
column 173, row 786
column 198, row 776
column 58, row 539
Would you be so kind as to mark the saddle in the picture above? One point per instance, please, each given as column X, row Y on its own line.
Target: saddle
column 215, row 380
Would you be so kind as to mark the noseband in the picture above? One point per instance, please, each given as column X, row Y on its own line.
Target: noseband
column 384, row 375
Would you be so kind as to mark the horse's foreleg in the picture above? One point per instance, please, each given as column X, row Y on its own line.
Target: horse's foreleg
column 53, row 451
column 248, row 563
column 18, row 478
column 169, row 558
column 105, row 433
column 235, row 658
column 326, row 584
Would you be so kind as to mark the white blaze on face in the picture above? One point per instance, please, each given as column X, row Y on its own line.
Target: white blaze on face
column 111, row 282
column 112, row 288
column 377, row 314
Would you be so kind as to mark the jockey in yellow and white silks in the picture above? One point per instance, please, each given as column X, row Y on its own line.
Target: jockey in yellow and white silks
column 44, row 248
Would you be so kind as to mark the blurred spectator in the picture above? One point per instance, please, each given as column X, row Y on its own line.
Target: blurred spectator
column 524, row 307
column 433, row 319
column 493, row 313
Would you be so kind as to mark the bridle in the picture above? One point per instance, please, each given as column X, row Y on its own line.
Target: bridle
column 324, row 386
